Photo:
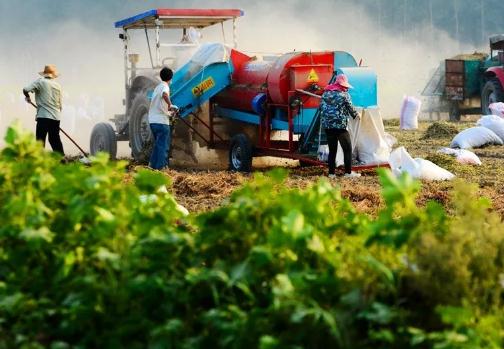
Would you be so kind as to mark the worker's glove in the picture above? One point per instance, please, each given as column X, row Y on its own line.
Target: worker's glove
column 174, row 110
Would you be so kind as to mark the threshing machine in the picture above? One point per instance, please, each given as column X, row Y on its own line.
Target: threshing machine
column 249, row 105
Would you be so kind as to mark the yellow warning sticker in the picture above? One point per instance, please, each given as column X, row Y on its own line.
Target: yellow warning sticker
column 204, row 86
column 312, row 77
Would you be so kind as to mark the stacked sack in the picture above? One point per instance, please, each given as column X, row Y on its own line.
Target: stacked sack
column 490, row 130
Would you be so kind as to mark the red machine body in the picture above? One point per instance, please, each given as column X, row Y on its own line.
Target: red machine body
column 291, row 71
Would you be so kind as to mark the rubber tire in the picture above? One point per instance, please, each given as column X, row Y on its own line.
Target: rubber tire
column 491, row 86
column 140, row 148
column 103, row 139
column 241, row 143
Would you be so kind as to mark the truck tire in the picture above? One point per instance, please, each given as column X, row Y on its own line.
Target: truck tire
column 240, row 153
column 103, row 139
column 492, row 92
column 140, row 135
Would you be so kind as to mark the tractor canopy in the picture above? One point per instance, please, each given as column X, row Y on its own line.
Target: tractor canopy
column 165, row 18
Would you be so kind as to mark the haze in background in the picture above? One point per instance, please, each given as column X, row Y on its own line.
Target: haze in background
column 78, row 36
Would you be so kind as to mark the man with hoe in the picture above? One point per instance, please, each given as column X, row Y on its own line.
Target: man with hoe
column 48, row 102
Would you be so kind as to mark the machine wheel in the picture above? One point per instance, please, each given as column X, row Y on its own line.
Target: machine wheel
column 240, row 153
column 454, row 112
column 492, row 92
column 103, row 139
column 140, row 135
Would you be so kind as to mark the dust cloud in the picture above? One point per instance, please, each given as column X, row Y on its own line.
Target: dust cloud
column 89, row 57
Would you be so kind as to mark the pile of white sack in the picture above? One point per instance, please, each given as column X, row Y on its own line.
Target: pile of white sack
column 489, row 130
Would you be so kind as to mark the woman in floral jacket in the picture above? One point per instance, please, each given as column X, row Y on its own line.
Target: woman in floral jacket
column 336, row 107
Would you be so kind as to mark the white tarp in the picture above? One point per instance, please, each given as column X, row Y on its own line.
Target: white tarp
column 187, row 47
column 209, row 53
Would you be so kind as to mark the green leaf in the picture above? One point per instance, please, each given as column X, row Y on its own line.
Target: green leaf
column 10, row 302
column 268, row 342
column 150, row 181
column 36, row 235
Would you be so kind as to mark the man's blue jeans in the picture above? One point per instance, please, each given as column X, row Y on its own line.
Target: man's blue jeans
column 159, row 157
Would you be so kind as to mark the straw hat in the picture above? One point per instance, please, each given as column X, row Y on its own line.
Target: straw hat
column 342, row 80
column 50, row 71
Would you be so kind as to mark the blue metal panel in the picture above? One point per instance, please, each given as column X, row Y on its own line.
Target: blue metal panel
column 200, row 87
column 125, row 22
column 300, row 121
column 180, row 75
column 343, row 59
column 238, row 115
column 364, row 81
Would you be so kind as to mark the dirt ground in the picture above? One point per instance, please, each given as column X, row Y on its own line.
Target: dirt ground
column 202, row 190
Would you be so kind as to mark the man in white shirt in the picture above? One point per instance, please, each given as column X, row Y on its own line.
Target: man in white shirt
column 48, row 98
column 159, row 110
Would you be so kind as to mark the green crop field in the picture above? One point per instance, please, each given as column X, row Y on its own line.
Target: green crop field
column 98, row 257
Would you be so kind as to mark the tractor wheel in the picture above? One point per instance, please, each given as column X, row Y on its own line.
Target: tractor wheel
column 103, row 139
column 240, row 154
column 492, row 92
column 140, row 135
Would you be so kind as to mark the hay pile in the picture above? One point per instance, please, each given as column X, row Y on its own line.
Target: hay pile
column 439, row 130
column 201, row 191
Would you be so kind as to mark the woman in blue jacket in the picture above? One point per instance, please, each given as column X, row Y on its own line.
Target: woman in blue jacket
column 336, row 107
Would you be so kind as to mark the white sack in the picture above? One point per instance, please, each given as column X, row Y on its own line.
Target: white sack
column 475, row 137
column 400, row 161
column 494, row 123
column 462, row 156
column 409, row 113
column 468, row 157
column 432, row 172
column 372, row 144
column 323, row 152
column 497, row 109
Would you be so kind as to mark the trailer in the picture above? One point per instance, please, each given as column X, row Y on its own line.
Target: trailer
column 251, row 106
column 468, row 83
